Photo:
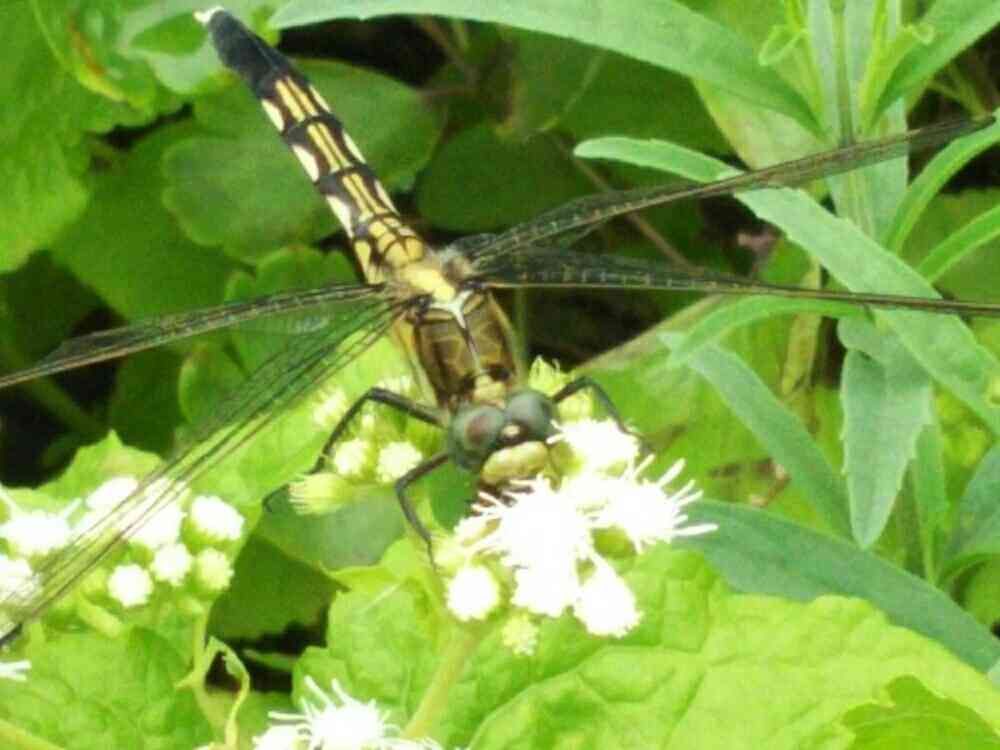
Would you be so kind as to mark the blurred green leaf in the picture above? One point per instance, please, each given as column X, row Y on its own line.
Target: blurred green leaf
column 662, row 32
column 481, row 180
column 955, row 25
column 128, row 249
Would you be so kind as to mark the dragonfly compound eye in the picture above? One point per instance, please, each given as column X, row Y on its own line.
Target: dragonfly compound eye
column 474, row 433
column 533, row 412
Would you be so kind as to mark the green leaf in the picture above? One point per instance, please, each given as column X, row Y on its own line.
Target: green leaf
column 778, row 430
column 625, row 97
column 942, row 345
column 548, row 76
column 758, row 552
column 480, row 180
column 128, row 248
column 142, row 410
column 977, row 527
column 745, row 311
column 887, row 403
column 662, row 32
column 91, row 693
column 956, row 24
column 951, row 251
column 269, row 593
column 44, row 158
column 908, row 715
column 932, row 178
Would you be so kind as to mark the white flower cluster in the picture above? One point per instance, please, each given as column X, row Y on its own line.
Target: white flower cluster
column 335, row 722
column 186, row 543
column 374, row 449
column 538, row 540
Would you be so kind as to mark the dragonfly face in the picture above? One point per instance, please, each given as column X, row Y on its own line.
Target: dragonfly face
column 440, row 305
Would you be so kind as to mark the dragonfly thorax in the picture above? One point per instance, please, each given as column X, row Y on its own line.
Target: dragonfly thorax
column 464, row 346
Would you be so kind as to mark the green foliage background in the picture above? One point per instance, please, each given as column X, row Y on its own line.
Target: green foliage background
column 852, row 612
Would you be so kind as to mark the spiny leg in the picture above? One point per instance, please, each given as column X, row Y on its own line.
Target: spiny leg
column 376, row 395
column 386, row 398
column 404, row 501
column 584, row 382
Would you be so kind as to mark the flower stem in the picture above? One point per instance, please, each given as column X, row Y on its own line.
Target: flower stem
column 450, row 668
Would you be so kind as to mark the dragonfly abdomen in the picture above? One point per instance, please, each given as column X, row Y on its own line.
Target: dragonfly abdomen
column 328, row 155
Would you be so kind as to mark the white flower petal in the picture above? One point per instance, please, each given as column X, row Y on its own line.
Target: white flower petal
column 130, row 585
column 216, row 519
column 473, row 593
column 605, row 604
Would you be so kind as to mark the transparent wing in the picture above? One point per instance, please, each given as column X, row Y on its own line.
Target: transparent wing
column 542, row 268
column 146, row 334
column 571, row 221
column 353, row 325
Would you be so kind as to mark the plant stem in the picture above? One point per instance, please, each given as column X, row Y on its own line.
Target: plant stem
column 450, row 668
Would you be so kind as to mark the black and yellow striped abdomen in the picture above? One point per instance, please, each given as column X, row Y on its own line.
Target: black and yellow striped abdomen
column 329, row 156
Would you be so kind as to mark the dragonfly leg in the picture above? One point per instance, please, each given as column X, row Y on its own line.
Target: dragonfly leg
column 386, row 398
column 375, row 395
column 604, row 400
column 404, row 501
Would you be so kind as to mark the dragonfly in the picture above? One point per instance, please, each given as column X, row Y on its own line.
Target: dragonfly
column 438, row 302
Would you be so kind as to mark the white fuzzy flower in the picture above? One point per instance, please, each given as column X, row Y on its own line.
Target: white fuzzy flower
column 351, row 457
column 339, row 722
column 473, row 593
column 331, row 407
column 213, row 569
column 160, row 529
column 36, row 532
column 544, row 535
column 215, row 519
column 520, row 635
column 605, row 604
column 395, row 459
column 130, row 585
column 599, row 444
column 647, row 513
column 112, row 492
column 171, row 564
column 280, row 737
column 15, row 574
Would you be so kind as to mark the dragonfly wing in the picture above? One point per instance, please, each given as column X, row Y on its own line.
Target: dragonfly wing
column 567, row 223
column 543, row 268
column 147, row 334
column 277, row 384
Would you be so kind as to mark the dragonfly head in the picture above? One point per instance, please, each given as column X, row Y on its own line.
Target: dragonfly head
column 503, row 442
